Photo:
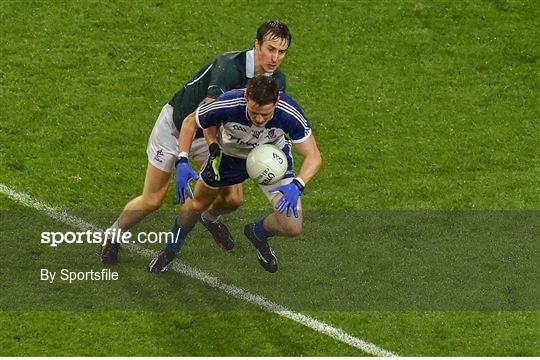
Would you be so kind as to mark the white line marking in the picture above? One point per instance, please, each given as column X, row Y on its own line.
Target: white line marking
column 210, row 280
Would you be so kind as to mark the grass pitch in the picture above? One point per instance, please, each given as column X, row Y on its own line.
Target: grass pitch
column 425, row 112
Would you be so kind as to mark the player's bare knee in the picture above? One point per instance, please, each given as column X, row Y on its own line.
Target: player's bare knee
column 198, row 206
column 234, row 201
column 153, row 203
column 292, row 229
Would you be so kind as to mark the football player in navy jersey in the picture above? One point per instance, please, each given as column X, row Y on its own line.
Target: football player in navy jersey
column 244, row 118
column 227, row 71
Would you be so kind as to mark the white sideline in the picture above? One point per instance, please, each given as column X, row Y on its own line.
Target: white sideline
column 210, row 280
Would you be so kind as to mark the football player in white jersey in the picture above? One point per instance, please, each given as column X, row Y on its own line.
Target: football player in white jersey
column 227, row 71
column 246, row 118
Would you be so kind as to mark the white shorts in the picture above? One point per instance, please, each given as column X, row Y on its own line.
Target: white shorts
column 162, row 149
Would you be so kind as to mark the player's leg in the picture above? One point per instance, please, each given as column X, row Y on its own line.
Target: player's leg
column 189, row 215
column 281, row 224
column 273, row 224
column 260, row 231
column 207, row 190
column 155, row 188
column 162, row 151
column 229, row 200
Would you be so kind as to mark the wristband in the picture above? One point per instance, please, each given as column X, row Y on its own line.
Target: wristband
column 183, row 154
column 300, row 183
column 299, row 179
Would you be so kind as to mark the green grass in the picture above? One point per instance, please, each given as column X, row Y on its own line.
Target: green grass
column 429, row 107
column 172, row 333
column 257, row 334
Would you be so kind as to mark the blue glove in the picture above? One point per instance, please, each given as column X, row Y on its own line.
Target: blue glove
column 184, row 173
column 289, row 201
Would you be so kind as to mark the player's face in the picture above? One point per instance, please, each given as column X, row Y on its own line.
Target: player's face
column 260, row 114
column 270, row 53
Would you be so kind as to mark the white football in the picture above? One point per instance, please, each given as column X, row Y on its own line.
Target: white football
column 266, row 164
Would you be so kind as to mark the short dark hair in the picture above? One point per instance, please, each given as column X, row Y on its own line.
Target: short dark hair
column 274, row 29
column 262, row 89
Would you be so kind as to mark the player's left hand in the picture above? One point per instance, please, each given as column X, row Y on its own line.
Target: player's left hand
column 289, row 201
column 184, row 173
column 214, row 160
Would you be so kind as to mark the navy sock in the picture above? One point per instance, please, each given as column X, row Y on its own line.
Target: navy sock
column 178, row 238
column 259, row 230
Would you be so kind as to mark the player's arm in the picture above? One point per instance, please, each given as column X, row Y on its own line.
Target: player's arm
column 288, row 203
column 189, row 126
column 312, row 159
column 209, row 122
column 214, row 150
column 187, row 134
column 223, row 76
column 210, row 134
column 184, row 173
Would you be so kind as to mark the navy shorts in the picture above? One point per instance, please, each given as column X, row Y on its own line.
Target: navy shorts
column 232, row 170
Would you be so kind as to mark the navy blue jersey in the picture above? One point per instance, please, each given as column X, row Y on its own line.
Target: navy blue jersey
column 238, row 136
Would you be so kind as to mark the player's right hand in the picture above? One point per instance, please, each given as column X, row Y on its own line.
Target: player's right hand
column 184, row 173
column 289, row 200
column 214, row 160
